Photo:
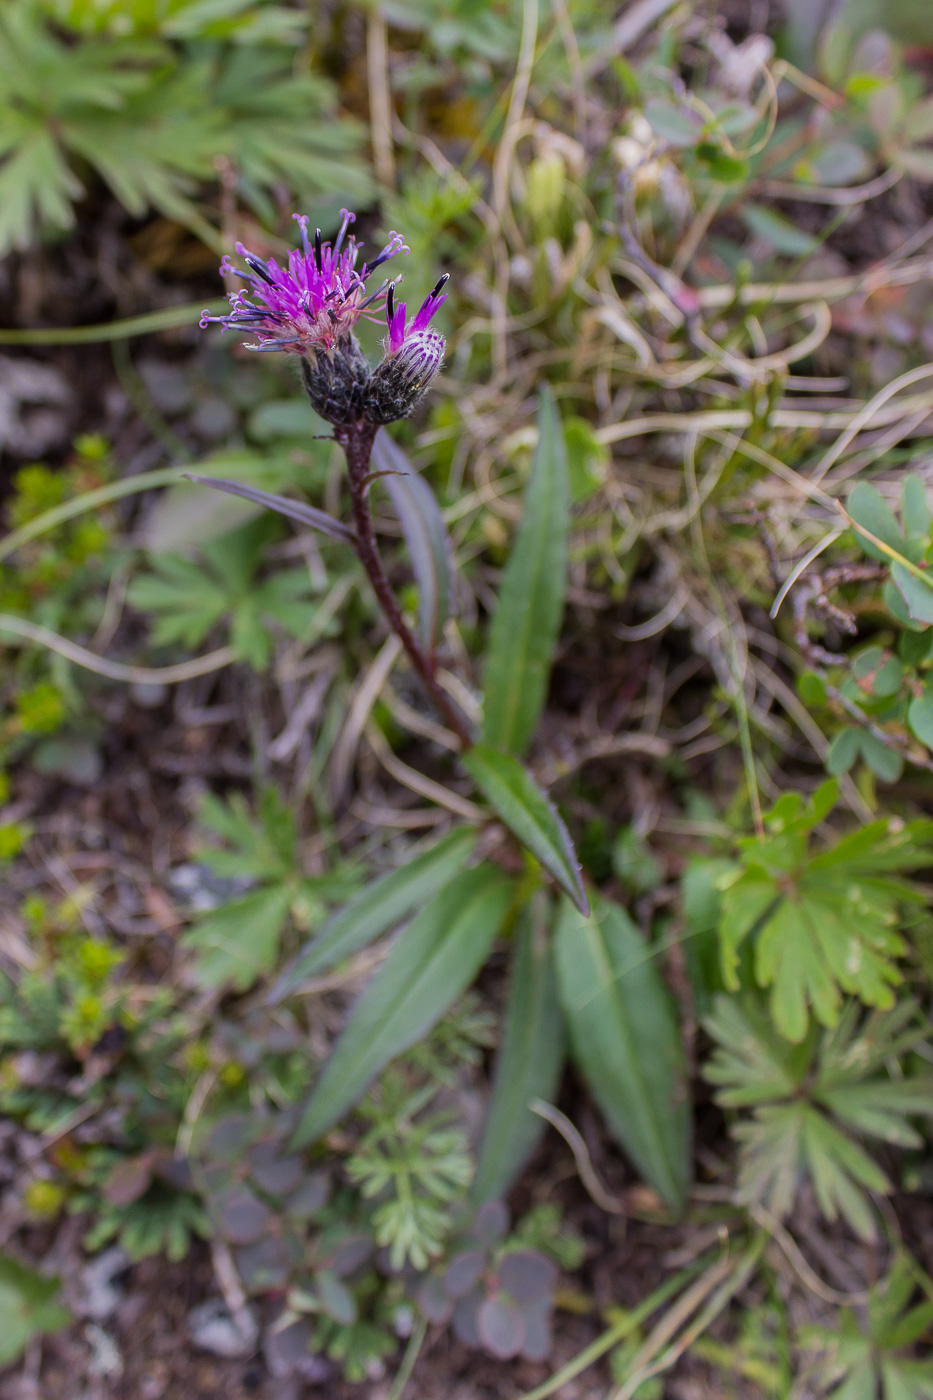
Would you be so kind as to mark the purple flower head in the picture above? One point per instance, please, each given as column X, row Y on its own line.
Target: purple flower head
column 399, row 332
column 314, row 302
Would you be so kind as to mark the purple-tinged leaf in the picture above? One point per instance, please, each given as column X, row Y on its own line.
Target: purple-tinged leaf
column 425, row 536
column 527, row 1276
column 264, row 1265
column 312, row 1195
column 538, row 1339
column 490, row 1222
column 464, row 1321
column 243, row 1217
column 274, row 1174
column 501, row 1328
column 295, row 510
column 433, row 1301
column 463, row 1272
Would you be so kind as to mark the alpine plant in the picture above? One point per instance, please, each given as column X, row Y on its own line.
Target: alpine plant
column 310, row 307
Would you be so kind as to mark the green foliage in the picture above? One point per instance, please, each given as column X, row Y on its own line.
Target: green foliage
column 525, row 629
column 625, row 1042
column 822, row 923
column 871, row 1355
column 240, row 941
column 526, row 811
column 189, row 600
column 434, row 960
column 28, row 1307
column 529, row 1062
column 414, row 1167
column 151, row 120
column 814, row 1103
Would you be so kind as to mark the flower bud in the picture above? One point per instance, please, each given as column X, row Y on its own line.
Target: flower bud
column 402, row 379
column 337, row 381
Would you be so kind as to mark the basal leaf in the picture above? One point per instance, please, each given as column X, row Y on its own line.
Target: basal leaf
column 625, row 1040
column 529, row 1062
column 240, row 941
column 377, row 908
column 529, row 815
column 868, row 508
column 527, row 620
column 435, row 959
column 425, row 535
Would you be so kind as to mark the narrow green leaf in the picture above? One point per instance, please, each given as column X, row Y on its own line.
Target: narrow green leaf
column 527, row 621
column 240, row 941
column 374, row 911
column 435, row 959
column 920, row 717
column 425, row 535
column 528, row 814
column 529, row 1062
column 917, row 592
column 625, row 1040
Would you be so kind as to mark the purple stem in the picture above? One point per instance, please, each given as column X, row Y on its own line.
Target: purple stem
column 357, row 440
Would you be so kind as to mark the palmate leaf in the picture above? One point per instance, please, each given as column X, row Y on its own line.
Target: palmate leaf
column 814, row 1102
column 823, row 924
column 868, row 1354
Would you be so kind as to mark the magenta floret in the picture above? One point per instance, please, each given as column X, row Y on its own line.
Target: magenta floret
column 315, row 301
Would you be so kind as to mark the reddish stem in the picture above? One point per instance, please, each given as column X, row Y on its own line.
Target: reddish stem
column 357, row 440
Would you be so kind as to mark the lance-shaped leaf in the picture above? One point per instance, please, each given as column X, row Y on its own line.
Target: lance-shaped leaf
column 295, row 510
column 526, row 811
column 528, row 1066
column 377, row 908
column 435, row 959
column 425, row 537
column 527, row 621
column 624, row 1038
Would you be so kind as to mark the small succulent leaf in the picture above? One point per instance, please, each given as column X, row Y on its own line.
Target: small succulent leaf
column 243, row 1217
column 264, row 1265
column 920, row 717
column 310, row 1197
column 239, row 942
column 464, row 1320
column 433, row 1301
column 516, row 798
column 377, row 908
column 490, row 1223
column 463, row 1272
column 336, row 1299
column 529, row 1060
column 282, row 505
column 435, row 958
column 625, row 1040
column 843, row 751
column 500, row 1328
column 527, row 1276
column 526, row 625
column 272, row 1173
column 538, row 1340
column 425, row 535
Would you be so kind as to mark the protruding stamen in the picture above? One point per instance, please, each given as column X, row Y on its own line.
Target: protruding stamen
column 318, row 256
column 390, row 302
column 348, row 219
column 441, row 284
column 259, row 269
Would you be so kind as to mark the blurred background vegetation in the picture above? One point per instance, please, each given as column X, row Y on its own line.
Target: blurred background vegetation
column 311, row 1080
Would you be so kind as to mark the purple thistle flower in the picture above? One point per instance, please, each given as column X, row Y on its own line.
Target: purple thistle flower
column 399, row 333
column 314, row 302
